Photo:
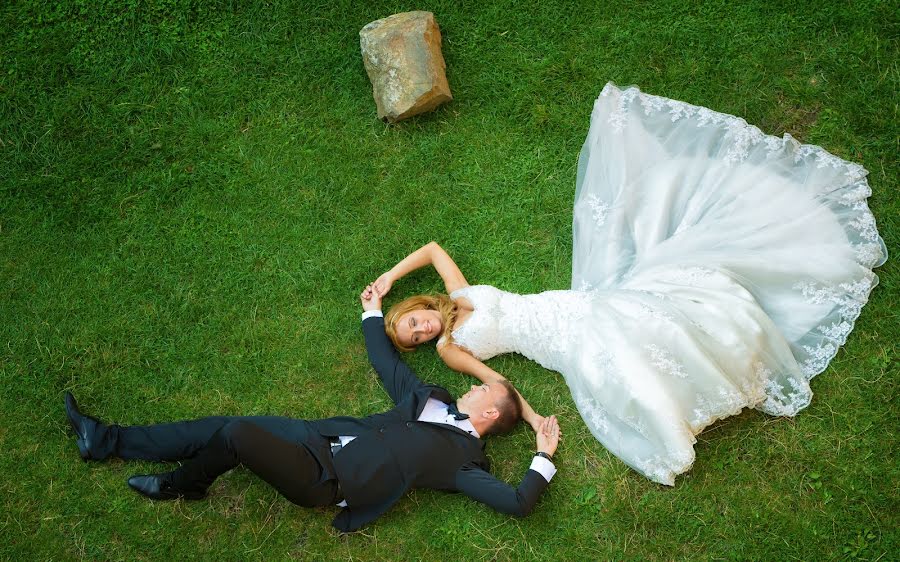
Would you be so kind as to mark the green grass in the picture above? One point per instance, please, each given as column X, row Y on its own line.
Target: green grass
column 192, row 195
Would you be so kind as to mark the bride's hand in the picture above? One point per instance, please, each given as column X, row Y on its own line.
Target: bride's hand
column 383, row 284
column 536, row 422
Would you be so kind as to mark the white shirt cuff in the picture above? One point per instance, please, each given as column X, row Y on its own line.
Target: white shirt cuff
column 372, row 314
column 543, row 467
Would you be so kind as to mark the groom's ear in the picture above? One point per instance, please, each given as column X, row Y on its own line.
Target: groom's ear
column 491, row 414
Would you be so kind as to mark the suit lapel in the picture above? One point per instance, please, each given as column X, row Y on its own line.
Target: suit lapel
column 430, row 391
column 440, row 393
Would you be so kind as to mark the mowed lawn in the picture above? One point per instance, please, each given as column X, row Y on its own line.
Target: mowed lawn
column 193, row 194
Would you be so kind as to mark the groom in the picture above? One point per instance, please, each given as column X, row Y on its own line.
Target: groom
column 361, row 464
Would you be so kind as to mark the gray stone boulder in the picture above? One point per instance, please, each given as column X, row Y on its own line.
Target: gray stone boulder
column 402, row 55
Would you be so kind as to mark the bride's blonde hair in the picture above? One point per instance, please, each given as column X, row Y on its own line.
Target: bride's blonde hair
column 440, row 302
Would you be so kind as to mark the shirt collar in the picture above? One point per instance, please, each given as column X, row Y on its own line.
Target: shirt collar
column 464, row 425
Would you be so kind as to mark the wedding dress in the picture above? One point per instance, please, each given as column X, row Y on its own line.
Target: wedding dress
column 714, row 268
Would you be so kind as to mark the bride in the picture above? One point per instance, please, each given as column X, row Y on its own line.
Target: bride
column 714, row 268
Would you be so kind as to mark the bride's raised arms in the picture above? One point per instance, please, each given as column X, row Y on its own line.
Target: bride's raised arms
column 460, row 360
column 429, row 254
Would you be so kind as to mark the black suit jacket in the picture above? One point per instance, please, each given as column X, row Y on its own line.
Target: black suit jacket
column 394, row 452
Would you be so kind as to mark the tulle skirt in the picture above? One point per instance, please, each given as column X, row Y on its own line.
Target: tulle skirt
column 728, row 267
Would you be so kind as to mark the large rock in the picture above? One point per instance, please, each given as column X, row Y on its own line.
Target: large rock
column 402, row 54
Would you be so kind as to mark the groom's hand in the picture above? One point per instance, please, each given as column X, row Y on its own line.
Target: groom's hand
column 548, row 436
column 370, row 299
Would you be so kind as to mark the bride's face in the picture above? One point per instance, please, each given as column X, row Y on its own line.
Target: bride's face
column 418, row 326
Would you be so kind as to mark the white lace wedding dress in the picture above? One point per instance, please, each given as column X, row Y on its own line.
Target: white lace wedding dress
column 714, row 268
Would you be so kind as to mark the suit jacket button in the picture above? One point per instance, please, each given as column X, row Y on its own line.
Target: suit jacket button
column 408, row 424
column 381, row 430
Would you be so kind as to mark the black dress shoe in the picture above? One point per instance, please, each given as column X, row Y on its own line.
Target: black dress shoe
column 159, row 487
column 83, row 426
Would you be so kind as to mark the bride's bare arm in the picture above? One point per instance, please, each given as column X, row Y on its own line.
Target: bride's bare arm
column 463, row 361
column 429, row 254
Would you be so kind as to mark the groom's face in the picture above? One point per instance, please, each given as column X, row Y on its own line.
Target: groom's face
column 481, row 399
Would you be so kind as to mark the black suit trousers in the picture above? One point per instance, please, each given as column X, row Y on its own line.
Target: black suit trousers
column 287, row 453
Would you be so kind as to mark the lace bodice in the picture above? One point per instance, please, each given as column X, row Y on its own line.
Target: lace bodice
column 540, row 327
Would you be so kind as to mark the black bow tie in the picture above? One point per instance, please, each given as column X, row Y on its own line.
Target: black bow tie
column 454, row 411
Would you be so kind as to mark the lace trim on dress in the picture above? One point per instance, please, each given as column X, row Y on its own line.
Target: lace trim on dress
column 744, row 137
column 848, row 299
column 663, row 469
column 779, row 400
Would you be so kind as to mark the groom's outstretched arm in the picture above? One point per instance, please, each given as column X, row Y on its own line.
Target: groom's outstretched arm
column 482, row 486
column 398, row 379
column 479, row 485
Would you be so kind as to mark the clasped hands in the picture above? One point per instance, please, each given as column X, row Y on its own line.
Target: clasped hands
column 375, row 291
column 371, row 298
